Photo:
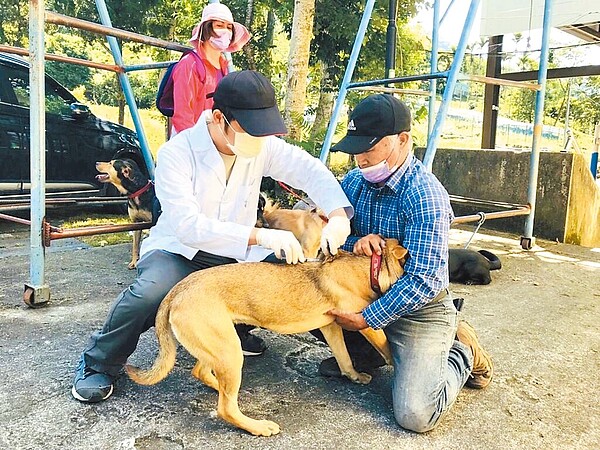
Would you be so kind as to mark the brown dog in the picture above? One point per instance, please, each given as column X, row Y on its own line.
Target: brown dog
column 306, row 225
column 126, row 176
column 201, row 310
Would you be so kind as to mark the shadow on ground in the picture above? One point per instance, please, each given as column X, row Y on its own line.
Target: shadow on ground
column 539, row 319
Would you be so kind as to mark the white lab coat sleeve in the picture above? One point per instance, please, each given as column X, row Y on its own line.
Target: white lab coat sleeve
column 182, row 208
column 300, row 170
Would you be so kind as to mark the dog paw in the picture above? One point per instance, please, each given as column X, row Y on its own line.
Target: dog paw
column 264, row 428
column 132, row 265
column 363, row 378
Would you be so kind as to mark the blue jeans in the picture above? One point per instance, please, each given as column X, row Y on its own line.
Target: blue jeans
column 430, row 366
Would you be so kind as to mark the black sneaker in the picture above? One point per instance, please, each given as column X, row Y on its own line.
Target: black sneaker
column 91, row 386
column 252, row 345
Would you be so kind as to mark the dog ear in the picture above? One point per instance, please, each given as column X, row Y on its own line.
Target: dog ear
column 126, row 171
column 397, row 251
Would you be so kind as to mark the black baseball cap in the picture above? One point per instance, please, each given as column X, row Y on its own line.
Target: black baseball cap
column 251, row 98
column 374, row 118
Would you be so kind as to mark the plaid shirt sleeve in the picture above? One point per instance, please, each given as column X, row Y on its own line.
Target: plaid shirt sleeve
column 424, row 214
column 428, row 217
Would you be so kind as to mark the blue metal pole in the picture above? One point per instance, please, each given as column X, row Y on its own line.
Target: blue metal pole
column 538, row 121
column 596, row 145
column 403, row 79
column 126, row 86
column 339, row 102
column 450, row 84
column 433, row 64
column 150, row 66
column 39, row 292
column 446, row 12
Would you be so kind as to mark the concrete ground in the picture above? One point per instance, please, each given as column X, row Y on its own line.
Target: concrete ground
column 539, row 319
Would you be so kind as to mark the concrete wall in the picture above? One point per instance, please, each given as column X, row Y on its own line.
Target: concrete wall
column 501, row 175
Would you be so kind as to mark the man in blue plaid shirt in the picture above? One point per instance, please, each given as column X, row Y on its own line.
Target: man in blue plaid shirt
column 394, row 196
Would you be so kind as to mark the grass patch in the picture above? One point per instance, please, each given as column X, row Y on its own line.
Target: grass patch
column 96, row 219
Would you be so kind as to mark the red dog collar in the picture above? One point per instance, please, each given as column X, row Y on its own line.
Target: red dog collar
column 375, row 269
column 142, row 190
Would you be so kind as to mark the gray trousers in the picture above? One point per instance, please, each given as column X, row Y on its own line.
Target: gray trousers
column 135, row 308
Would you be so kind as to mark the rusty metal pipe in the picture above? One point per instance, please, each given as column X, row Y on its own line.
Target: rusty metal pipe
column 22, row 221
column 100, row 229
column 500, row 81
column 60, row 19
column 67, row 59
column 523, row 211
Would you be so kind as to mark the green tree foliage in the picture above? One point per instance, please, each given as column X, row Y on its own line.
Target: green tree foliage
column 69, row 75
column 334, row 36
column 585, row 104
column 13, row 22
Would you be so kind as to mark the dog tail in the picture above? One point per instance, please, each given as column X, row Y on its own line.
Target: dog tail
column 167, row 349
column 495, row 262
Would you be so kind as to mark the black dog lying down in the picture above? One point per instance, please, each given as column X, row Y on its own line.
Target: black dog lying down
column 471, row 267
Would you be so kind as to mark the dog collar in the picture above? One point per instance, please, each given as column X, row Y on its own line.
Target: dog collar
column 375, row 269
column 142, row 190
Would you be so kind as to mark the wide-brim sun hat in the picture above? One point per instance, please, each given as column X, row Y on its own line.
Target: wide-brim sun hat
column 218, row 11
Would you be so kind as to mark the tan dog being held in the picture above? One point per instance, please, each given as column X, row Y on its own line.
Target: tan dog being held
column 201, row 310
column 306, row 225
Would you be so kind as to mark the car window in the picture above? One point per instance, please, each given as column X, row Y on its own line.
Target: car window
column 19, row 82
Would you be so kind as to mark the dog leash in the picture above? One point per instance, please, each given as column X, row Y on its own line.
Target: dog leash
column 375, row 269
column 285, row 187
column 142, row 190
column 481, row 220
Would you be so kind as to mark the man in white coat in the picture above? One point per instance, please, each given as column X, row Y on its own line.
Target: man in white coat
column 208, row 181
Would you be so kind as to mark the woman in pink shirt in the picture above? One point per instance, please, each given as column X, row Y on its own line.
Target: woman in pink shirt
column 216, row 33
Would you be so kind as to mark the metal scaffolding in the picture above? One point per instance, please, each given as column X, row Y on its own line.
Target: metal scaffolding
column 436, row 119
column 36, row 291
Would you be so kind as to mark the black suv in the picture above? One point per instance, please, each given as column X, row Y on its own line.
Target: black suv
column 75, row 140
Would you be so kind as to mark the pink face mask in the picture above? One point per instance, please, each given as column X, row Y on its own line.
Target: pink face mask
column 222, row 40
column 379, row 172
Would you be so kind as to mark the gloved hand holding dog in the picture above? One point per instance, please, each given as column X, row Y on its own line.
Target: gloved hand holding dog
column 281, row 240
column 334, row 234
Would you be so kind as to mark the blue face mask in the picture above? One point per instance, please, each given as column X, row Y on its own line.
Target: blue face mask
column 379, row 172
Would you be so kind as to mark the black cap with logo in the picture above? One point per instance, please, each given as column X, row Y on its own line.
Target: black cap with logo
column 251, row 98
column 374, row 118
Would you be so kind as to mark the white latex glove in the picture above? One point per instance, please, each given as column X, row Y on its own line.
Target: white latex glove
column 334, row 234
column 281, row 240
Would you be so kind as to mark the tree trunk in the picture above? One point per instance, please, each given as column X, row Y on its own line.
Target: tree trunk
column 120, row 93
column 269, row 39
column 295, row 98
column 325, row 106
column 248, row 49
column 120, row 101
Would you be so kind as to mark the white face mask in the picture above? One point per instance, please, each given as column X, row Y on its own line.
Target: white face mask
column 222, row 40
column 244, row 145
